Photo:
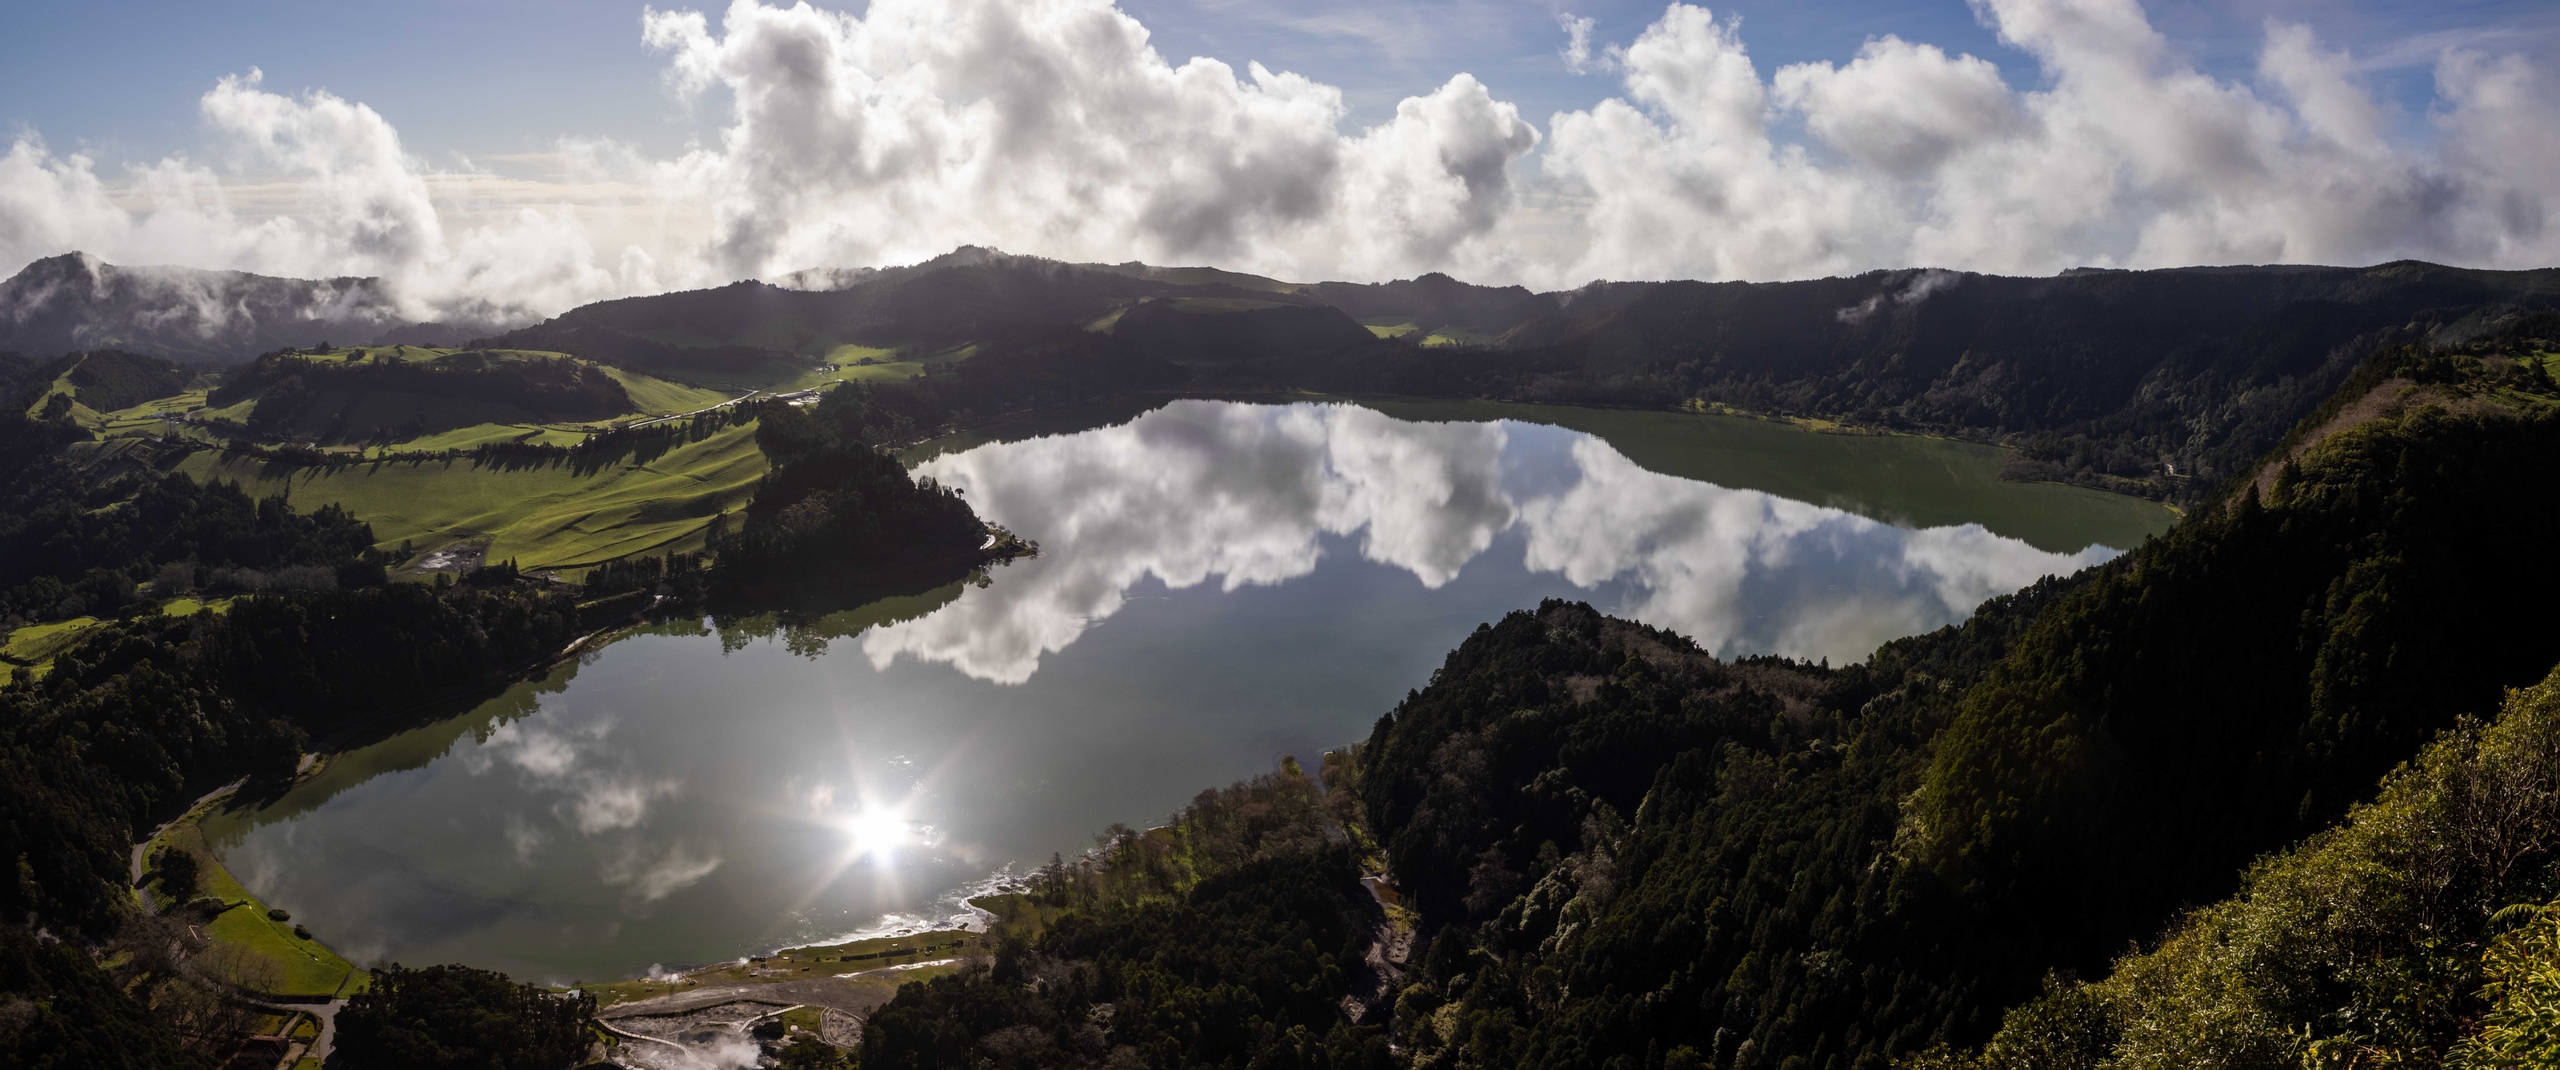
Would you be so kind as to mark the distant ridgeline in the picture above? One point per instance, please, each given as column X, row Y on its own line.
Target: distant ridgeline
column 2161, row 383
column 75, row 301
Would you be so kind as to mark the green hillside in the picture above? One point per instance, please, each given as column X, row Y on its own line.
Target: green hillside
column 447, row 434
column 542, row 516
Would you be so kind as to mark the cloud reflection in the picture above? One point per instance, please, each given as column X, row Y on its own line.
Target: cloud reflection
column 1202, row 490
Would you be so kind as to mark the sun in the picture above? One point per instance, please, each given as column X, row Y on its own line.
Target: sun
column 876, row 832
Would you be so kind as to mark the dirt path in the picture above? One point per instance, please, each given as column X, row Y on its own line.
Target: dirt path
column 655, row 420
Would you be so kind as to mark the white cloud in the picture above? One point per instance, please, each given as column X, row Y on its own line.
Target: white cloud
column 1900, row 108
column 654, row 878
column 1054, row 127
column 1244, row 494
column 1577, row 43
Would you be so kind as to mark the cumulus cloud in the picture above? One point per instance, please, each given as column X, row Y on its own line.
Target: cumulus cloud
column 1246, row 494
column 1198, row 491
column 1056, row 127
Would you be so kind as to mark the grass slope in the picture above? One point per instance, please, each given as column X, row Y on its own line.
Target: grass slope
column 34, row 647
column 543, row 517
column 298, row 966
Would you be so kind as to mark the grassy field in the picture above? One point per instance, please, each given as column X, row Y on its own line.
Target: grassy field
column 658, row 397
column 449, row 423
column 1389, row 326
column 36, row 645
column 1457, row 336
column 297, row 966
column 1907, row 480
column 546, row 516
column 33, row 647
column 781, row 378
column 1222, row 304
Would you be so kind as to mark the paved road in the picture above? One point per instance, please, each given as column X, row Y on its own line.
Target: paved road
column 832, row 991
column 326, row 1014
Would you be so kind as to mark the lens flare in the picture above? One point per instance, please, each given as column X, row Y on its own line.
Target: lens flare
column 877, row 833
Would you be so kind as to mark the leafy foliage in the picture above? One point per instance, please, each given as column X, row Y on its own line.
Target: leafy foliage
column 1234, row 937
column 59, row 1011
column 546, row 385
column 459, row 1018
column 136, row 717
column 1621, row 850
column 72, row 544
column 2364, row 945
column 2522, row 1026
column 2237, row 684
column 829, row 504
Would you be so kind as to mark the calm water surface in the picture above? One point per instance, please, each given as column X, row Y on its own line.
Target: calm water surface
column 1220, row 584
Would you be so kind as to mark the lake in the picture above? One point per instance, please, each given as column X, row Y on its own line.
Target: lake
column 1220, row 583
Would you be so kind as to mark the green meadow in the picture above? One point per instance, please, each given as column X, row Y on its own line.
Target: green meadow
column 281, row 963
column 543, row 516
column 1909, row 480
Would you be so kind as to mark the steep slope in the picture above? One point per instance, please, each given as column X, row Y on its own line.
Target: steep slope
column 2158, row 382
column 1610, row 863
column 102, row 381
column 2161, row 383
column 2366, row 945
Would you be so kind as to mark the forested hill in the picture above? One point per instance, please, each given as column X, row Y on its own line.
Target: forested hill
column 2153, row 382
column 2160, row 383
column 1620, row 849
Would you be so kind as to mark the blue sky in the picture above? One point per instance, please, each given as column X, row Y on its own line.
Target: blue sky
column 516, row 159
column 119, row 79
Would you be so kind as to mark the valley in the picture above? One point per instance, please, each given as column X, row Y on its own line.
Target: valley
column 823, row 662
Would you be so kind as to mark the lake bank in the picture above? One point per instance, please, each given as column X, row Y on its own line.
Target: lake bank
column 1220, row 584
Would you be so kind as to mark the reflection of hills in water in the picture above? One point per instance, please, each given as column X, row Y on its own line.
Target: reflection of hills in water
column 413, row 749
column 1242, row 494
column 1274, row 577
column 808, row 634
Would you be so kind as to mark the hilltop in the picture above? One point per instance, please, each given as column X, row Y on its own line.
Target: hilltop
column 2158, row 383
column 76, row 301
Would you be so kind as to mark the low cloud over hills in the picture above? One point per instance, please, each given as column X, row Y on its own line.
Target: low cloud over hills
column 76, row 301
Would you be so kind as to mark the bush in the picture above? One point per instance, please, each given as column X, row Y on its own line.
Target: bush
column 2368, row 944
column 178, row 874
column 459, row 1018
